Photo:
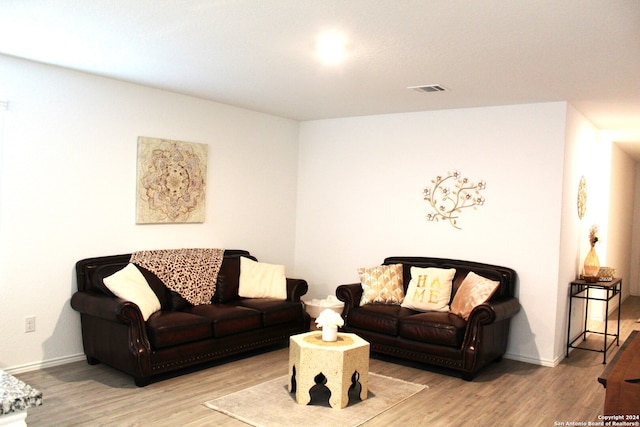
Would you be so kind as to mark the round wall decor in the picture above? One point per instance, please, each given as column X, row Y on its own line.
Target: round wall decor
column 582, row 197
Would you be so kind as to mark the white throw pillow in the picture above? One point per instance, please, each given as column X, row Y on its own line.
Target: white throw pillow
column 262, row 280
column 429, row 289
column 130, row 284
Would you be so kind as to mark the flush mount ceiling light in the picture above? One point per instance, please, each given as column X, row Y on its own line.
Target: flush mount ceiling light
column 428, row 88
column 331, row 47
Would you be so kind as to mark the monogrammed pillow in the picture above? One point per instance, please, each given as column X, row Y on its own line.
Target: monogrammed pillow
column 429, row 289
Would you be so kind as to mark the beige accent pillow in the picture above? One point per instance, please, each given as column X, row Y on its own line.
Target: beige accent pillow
column 381, row 284
column 262, row 280
column 129, row 284
column 473, row 291
column 429, row 289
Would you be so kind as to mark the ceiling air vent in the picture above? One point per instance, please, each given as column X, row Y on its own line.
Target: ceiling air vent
column 429, row 88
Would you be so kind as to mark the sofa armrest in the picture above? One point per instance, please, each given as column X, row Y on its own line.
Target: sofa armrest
column 105, row 318
column 487, row 314
column 494, row 311
column 296, row 288
column 350, row 294
column 106, row 307
column 487, row 333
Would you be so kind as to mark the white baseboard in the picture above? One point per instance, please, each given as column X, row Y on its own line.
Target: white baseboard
column 531, row 360
column 44, row 364
column 78, row 357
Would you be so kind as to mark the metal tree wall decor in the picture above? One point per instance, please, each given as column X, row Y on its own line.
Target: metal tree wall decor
column 451, row 194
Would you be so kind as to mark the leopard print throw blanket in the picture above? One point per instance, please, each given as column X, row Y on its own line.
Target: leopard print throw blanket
column 190, row 272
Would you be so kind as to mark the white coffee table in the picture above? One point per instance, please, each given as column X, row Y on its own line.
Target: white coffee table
column 339, row 361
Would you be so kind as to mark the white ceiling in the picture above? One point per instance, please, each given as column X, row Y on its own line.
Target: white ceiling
column 258, row 54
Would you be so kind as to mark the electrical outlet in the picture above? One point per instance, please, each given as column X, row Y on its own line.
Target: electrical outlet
column 30, row 324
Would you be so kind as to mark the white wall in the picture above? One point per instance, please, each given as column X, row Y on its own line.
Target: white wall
column 585, row 156
column 610, row 175
column 621, row 204
column 634, row 283
column 67, row 191
column 620, row 221
column 68, row 179
column 360, row 200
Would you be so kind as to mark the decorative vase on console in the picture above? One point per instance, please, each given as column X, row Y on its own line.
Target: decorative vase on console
column 591, row 262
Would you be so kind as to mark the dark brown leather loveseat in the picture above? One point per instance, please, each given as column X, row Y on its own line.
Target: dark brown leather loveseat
column 180, row 334
column 437, row 338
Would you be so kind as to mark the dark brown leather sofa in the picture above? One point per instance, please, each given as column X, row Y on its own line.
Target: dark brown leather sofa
column 180, row 334
column 437, row 338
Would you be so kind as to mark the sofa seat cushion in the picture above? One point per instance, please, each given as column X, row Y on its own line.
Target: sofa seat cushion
column 381, row 318
column 168, row 328
column 228, row 319
column 274, row 311
column 434, row 327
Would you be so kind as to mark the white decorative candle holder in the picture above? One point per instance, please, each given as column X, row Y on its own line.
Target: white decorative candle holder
column 330, row 333
column 329, row 321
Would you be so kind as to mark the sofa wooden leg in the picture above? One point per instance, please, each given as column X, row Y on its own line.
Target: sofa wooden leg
column 92, row 360
column 142, row 382
column 467, row 376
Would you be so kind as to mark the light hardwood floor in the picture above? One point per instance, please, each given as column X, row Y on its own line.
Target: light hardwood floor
column 508, row 393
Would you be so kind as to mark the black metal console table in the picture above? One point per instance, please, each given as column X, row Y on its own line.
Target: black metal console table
column 581, row 289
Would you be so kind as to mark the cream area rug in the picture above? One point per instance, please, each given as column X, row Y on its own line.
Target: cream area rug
column 270, row 404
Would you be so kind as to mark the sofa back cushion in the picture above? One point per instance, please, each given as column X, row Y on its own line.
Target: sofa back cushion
column 99, row 273
column 504, row 275
column 229, row 276
column 90, row 273
column 159, row 288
